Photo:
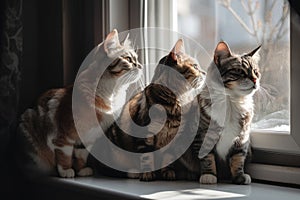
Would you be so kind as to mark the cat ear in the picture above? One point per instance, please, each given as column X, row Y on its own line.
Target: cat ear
column 253, row 52
column 222, row 51
column 177, row 50
column 127, row 42
column 112, row 41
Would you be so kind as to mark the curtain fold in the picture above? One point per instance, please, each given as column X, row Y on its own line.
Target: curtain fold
column 81, row 33
column 58, row 35
column 160, row 18
column 42, row 66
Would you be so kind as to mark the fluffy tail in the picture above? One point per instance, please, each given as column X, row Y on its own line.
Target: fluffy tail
column 36, row 155
column 27, row 124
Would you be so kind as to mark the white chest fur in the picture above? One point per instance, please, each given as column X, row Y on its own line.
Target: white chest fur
column 116, row 103
column 228, row 134
column 232, row 128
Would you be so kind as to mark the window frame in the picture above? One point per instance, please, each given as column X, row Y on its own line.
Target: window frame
column 276, row 154
column 283, row 142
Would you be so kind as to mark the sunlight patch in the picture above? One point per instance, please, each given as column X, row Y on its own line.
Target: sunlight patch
column 192, row 194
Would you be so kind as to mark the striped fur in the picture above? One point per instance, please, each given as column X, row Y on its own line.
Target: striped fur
column 223, row 138
column 49, row 128
column 157, row 93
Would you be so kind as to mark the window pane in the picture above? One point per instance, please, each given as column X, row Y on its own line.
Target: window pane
column 244, row 24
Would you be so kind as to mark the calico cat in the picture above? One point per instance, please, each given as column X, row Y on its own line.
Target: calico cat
column 49, row 128
column 223, row 135
column 187, row 79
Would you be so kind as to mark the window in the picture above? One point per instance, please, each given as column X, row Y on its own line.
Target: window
column 244, row 25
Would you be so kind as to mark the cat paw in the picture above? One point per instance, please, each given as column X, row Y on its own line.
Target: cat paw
column 147, row 176
column 87, row 171
column 66, row 173
column 169, row 175
column 133, row 175
column 243, row 179
column 208, row 179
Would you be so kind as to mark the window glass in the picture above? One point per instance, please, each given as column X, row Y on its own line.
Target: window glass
column 245, row 24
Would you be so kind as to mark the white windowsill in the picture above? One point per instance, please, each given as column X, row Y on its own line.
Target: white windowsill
column 281, row 174
column 164, row 190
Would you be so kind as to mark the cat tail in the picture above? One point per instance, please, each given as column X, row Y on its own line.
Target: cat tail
column 27, row 124
column 34, row 157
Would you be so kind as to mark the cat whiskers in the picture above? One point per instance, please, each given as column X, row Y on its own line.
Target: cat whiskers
column 130, row 77
column 187, row 97
column 141, row 83
column 192, row 91
column 198, row 83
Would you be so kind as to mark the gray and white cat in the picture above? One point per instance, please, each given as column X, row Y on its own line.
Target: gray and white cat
column 226, row 112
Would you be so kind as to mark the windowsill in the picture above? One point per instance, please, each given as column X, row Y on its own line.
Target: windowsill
column 114, row 188
column 274, row 173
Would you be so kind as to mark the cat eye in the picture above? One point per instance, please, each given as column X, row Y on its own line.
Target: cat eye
column 240, row 72
column 195, row 66
column 128, row 59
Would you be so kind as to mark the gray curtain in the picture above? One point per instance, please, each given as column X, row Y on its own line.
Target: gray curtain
column 58, row 34
column 81, row 31
column 11, row 49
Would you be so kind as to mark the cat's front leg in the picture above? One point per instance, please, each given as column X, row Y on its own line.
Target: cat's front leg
column 208, row 170
column 80, row 162
column 236, row 163
column 63, row 156
column 147, row 165
column 168, row 173
column 147, row 176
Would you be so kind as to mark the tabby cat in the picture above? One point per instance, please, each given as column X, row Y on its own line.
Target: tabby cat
column 187, row 80
column 222, row 141
column 49, row 129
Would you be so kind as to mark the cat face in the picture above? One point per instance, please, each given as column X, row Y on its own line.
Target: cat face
column 240, row 73
column 187, row 67
column 125, row 66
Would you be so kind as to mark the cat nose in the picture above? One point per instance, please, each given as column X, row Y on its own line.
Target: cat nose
column 138, row 65
column 254, row 80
